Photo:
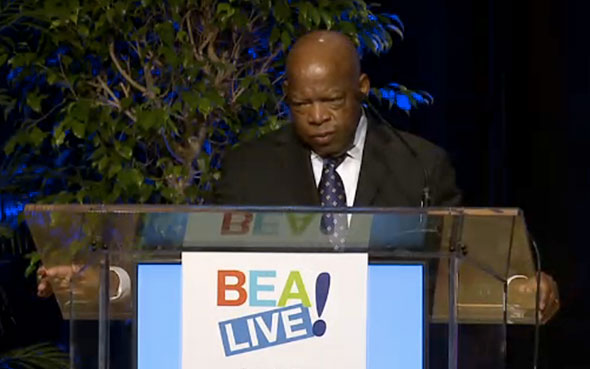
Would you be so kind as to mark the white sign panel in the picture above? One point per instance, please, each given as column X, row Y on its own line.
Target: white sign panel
column 274, row 311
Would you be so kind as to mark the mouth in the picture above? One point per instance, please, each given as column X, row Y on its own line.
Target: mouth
column 323, row 138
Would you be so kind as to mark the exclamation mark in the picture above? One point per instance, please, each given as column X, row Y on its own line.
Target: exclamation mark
column 322, row 287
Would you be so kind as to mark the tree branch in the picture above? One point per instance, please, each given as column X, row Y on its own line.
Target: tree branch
column 191, row 37
column 124, row 88
column 54, row 108
column 169, row 148
column 262, row 70
column 131, row 81
column 65, row 77
column 117, row 105
column 107, row 89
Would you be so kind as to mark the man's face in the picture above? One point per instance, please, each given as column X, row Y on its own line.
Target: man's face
column 325, row 104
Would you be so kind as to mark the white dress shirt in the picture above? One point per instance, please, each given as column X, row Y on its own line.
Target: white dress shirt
column 350, row 169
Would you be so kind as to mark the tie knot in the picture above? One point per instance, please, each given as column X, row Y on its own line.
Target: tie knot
column 332, row 162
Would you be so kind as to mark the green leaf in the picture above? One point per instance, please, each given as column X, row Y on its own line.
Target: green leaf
column 327, row 18
column 166, row 33
column 145, row 193
column 79, row 129
column 215, row 97
column 223, row 8
column 125, row 150
column 10, row 145
column 170, row 55
column 204, row 106
column 34, row 101
column 36, row 356
column 258, row 99
column 80, row 110
column 282, row 11
column 114, row 169
column 103, row 163
column 264, row 80
column 304, row 11
column 182, row 36
column 21, row 60
column 52, row 77
column 347, row 28
column 191, row 98
column 37, row 136
column 59, row 137
column 66, row 60
column 126, row 102
column 130, row 177
column 285, row 40
column 83, row 30
column 315, row 15
column 275, row 34
column 377, row 92
column 74, row 17
column 148, row 119
column 369, row 42
column 170, row 194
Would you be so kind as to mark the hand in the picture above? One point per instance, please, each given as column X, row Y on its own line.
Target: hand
column 58, row 279
column 44, row 288
column 55, row 279
column 549, row 295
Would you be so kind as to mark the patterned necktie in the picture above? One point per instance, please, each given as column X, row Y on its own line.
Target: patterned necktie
column 332, row 195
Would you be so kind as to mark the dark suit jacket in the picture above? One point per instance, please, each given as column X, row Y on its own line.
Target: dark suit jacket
column 276, row 170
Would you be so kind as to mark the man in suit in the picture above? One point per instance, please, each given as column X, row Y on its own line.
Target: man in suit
column 376, row 166
column 381, row 167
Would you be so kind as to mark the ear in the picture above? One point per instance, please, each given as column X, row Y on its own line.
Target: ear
column 364, row 85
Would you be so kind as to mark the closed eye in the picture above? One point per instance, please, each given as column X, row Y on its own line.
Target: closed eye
column 300, row 103
column 334, row 100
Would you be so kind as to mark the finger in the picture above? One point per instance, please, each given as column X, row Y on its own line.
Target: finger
column 64, row 282
column 41, row 287
column 552, row 293
column 547, row 292
column 44, row 289
column 555, row 289
column 551, row 310
column 41, row 271
column 59, row 271
column 543, row 296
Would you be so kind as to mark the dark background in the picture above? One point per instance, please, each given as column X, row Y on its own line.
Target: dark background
column 511, row 82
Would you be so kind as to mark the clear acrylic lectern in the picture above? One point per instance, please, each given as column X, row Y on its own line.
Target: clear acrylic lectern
column 473, row 261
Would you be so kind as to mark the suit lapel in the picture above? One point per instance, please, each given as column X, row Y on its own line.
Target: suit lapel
column 374, row 166
column 297, row 173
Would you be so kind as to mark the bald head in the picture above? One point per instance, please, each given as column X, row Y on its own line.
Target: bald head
column 324, row 89
column 326, row 49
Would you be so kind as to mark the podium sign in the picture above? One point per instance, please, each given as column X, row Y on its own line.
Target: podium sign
column 274, row 310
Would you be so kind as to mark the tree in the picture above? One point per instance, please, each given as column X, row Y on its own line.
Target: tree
column 136, row 101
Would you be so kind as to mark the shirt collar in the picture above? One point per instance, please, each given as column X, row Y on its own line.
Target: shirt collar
column 356, row 151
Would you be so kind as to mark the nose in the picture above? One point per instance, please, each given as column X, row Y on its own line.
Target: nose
column 318, row 114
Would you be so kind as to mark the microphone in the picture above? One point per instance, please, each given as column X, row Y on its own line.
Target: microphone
column 426, row 196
